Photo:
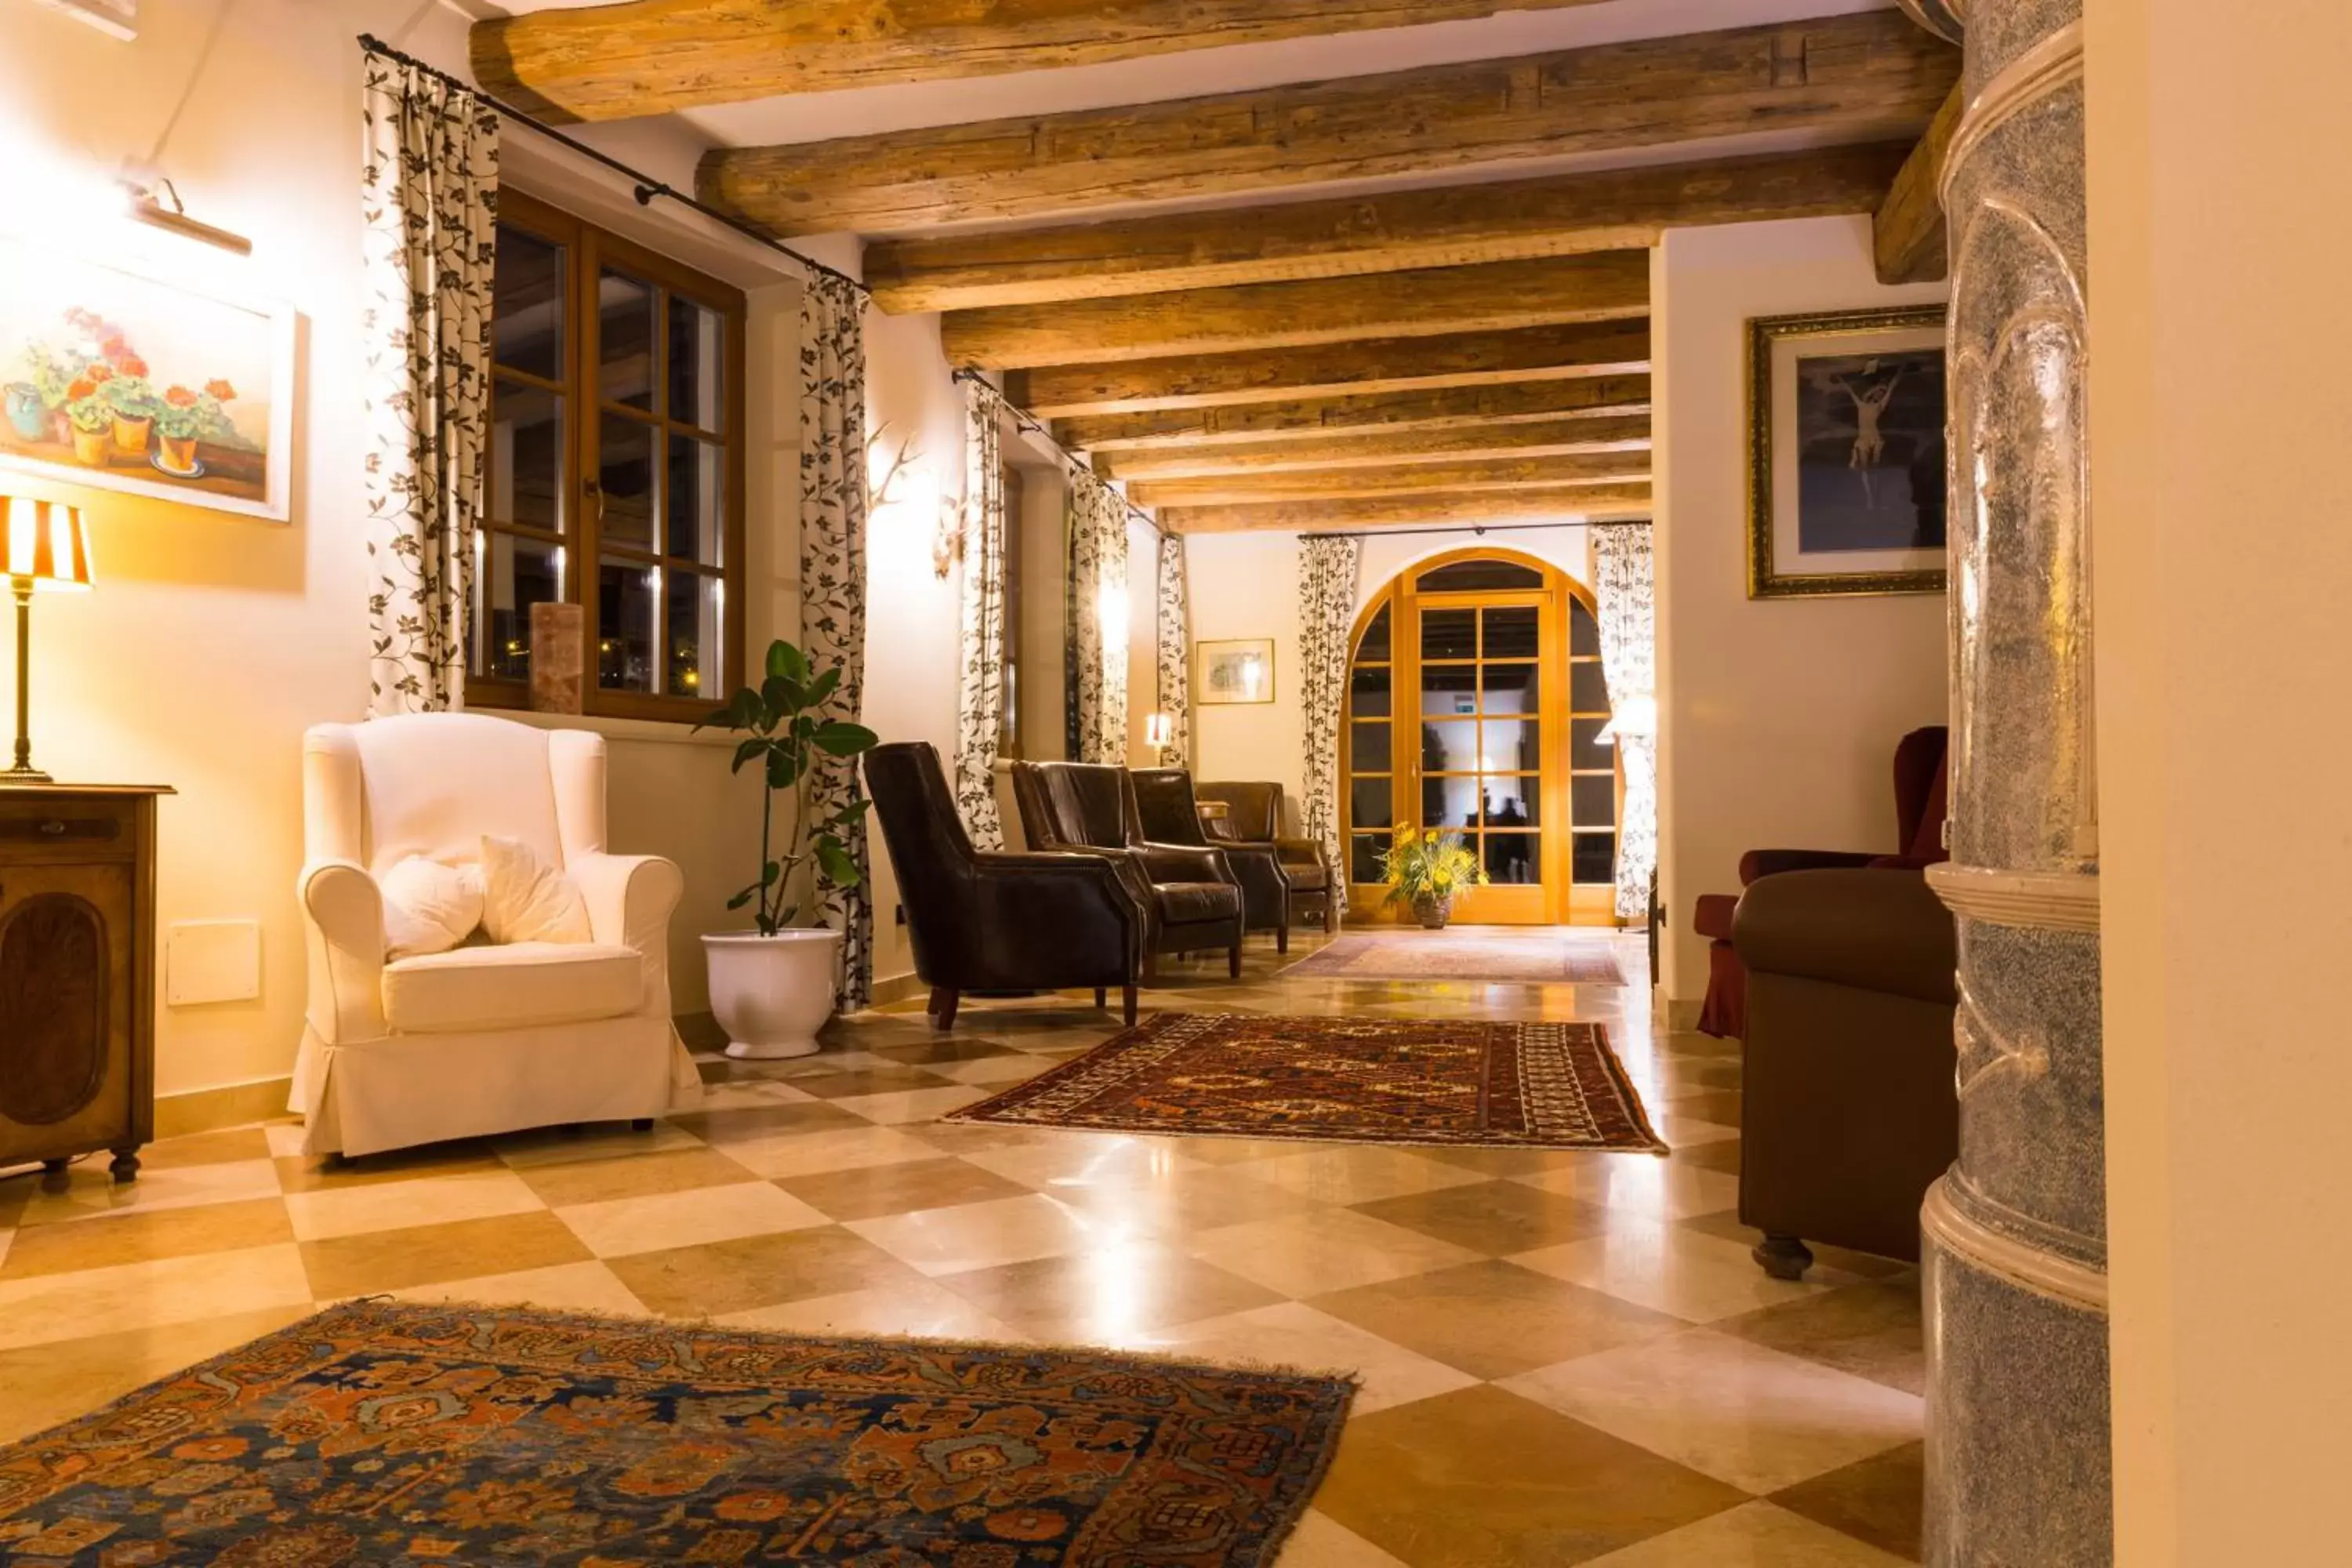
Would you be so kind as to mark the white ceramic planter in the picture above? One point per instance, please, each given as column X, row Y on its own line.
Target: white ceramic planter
column 773, row 994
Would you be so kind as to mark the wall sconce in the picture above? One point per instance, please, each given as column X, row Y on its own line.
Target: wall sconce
column 1159, row 733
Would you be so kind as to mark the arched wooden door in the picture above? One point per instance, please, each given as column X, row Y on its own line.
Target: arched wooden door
column 1476, row 705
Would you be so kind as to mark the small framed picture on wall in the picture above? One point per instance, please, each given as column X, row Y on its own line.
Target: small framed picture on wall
column 1845, row 459
column 1239, row 670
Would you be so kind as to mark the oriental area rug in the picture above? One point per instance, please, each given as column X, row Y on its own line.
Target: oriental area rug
column 380, row 1432
column 1440, row 1081
column 1476, row 954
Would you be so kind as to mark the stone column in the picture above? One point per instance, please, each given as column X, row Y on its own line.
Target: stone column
column 2015, row 1233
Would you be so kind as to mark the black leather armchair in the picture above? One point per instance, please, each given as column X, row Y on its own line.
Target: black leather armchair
column 1170, row 814
column 1254, row 812
column 998, row 922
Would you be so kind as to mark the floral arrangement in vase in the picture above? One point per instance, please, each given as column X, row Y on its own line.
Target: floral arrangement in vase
column 1426, row 869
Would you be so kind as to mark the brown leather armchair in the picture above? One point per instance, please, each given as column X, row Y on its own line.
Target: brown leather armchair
column 1255, row 813
column 1188, row 894
column 1848, row 1110
column 1170, row 814
column 997, row 923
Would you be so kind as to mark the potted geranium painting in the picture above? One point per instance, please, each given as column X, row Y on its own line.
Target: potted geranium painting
column 143, row 384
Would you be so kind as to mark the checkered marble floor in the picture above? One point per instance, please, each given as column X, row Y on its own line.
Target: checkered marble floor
column 1566, row 1358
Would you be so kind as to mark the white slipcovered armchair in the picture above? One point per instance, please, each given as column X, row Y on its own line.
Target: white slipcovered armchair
column 478, row 1039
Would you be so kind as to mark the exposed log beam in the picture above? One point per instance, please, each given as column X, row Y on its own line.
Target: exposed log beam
column 1908, row 233
column 1470, row 509
column 653, row 57
column 1862, row 77
column 1547, row 439
column 1497, row 297
column 1597, row 398
column 1564, row 214
column 1415, row 478
column 1377, row 366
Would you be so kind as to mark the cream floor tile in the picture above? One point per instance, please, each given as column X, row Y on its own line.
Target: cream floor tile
column 1293, row 1335
column 983, row 1235
column 1736, row 1411
column 131, row 1295
column 390, row 1206
column 924, row 1311
column 1689, row 1131
column 1359, row 1173
column 54, row 1382
column 622, row 1226
column 994, row 1073
column 1667, row 1267
column 1073, row 1160
column 816, row 1153
column 1304, row 1254
column 562, row 1287
column 899, row 1107
column 1662, row 1189
column 285, row 1137
column 1755, row 1535
column 524, row 1150
column 92, row 1194
column 1319, row 1543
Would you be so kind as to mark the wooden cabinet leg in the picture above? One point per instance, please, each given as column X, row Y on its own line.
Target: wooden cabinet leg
column 125, row 1165
column 1783, row 1256
column 55, row 1174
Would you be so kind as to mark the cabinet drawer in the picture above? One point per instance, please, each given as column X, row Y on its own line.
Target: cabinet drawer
column 68, row 827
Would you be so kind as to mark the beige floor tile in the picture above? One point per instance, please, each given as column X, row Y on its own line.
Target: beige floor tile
column 841, row 1081
column 602, row 1179
column 1293, row 1335
column 206, row 1149
column 1880, row 1499
column 285, row 1138
column 132, row 1296
column 872, row 1190
column 1673, row 1270
column 1307, row 1254
column 562, row 1287
column 1185, row 1199
column 596, row 1145
column 425, row 1255
column 1106, row 1295
column 1493, row 1217
column 818, row 1153
column 983, row 1235
column 1755, row 1535
column 903, row 1106
column 661, row 1220
column 1493, row 1319
column 995, row 1073
column 396, row 1205
column 920, row 1309
column 1359, row 1173
column 311, row 1173
column 1871, row 1329
column 765, row 1119
column 144, row 1236
column 92, row 1194
column 1744, row 1414
column 1662, row 1189
column 722, row 1277
column 1319, row 1541
column 1689, row 1131
column 55, row 1381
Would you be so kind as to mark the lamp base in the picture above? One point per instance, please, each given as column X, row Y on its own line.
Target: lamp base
column 22, row 775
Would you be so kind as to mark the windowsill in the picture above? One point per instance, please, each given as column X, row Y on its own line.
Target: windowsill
column 649, row 731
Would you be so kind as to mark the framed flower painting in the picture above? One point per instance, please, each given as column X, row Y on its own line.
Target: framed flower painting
column 138, row 384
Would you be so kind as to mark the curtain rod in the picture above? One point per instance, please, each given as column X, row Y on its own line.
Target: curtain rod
column 1476, row 528
column 647, row 187
column 1036, row 427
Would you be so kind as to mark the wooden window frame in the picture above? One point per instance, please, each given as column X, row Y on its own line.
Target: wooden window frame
column 588, row 250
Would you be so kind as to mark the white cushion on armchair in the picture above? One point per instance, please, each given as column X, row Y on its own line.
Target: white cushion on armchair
column 478, row 1039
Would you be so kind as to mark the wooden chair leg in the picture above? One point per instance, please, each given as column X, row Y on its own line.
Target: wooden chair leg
column 1282, row 934
column 1233, row 959
column 1102, row 997
column 1330, row 914
column 943, row 1007
column 1128, row 1004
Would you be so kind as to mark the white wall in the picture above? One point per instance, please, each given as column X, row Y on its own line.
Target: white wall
column 1777, row 718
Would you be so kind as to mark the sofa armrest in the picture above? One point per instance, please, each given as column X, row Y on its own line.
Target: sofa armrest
column 343, row 919
column 630, row 899
column 1774, row 862
column 1873, row 930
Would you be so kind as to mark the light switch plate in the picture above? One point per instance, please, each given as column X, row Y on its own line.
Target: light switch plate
column 212, row 961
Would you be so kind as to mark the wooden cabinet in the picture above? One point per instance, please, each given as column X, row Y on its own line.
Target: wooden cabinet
column 76, row 972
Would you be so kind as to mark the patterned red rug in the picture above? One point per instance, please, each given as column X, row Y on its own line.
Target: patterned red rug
column 1359, row 1080
column 1473, row 954
column 381, row 1432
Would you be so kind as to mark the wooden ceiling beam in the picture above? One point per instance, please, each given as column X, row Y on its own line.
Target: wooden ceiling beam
column 1412, row 478
column 1562, row 215
column 1595, row 398
column 1857, row 77
column 1498, row 296
column 1546, row 438
column 655, row 56
column 1908, row 235
column 1580, row 503
column 1334, row 370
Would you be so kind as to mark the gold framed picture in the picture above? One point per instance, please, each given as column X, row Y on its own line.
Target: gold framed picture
column 1846, row 481
column 1237, row 670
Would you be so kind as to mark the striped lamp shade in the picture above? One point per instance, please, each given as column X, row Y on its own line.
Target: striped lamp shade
column 46, row 542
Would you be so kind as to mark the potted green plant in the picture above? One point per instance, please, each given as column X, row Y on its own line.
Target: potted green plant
column 1426, row 870
column 771, row 988
column 92, row 416
column 133, row 398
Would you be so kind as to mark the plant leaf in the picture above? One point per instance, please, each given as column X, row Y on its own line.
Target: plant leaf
column 821, row 688
column 781, row 696
column 770, row 872
column 747, row 751
column 843, row 740
column 784, row 768
column 852, row 812
column 745, row 897
column 785, row 660
column 839, row 869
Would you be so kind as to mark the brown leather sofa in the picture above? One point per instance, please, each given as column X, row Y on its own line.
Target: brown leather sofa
column 1253, row 813
column 998, row 922
column 1848, row 1109
column 1169, row 813
column 1192, row 902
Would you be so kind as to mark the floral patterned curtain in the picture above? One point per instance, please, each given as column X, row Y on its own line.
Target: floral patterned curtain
column 1628, row 660
column 1326, row 612
column 1098, row 593
column 833, row 576
column 980, row 702
column 1175, row 626
column 429, row 178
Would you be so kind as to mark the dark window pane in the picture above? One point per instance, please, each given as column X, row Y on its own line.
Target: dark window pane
column 1474, row 576
column 1514, row 859
column 1371, row 747
column 1375, row 645
column 1451, row 748
column 697, row 357
column 1449, row 688
column 695, row 501
column 1512, row 802
column 1513, row 632
column 1509, row 688
column 1595, row 857
column 693, row 606
column 625, row 627
column 625, row 339
column 528, row 473
column 1371, row 804
column 1512, row 746
column 624, row 477
column 527, row 304
column 1368, row 693
column 1449, row 633
column 1364, row 857
column 515, row 574
column 1596, row 800
column 1585, row 749
column 1588, row 689
column 1583, row 631
column 1449, row 802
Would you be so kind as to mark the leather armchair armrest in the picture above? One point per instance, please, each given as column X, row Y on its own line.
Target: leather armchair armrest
column 1301, row 851
column 1181, row 863
column 1082, row 897
column 343, row 916
column 1773, row 862
column 630, row 899
column 1875, row 930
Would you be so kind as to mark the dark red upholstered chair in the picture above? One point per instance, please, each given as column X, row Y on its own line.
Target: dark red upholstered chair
column 1920, row 779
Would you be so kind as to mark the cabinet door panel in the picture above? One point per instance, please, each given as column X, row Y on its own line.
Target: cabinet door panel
column 64, row 1014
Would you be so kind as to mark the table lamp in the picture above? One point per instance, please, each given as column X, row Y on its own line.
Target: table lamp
column 46, row 551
